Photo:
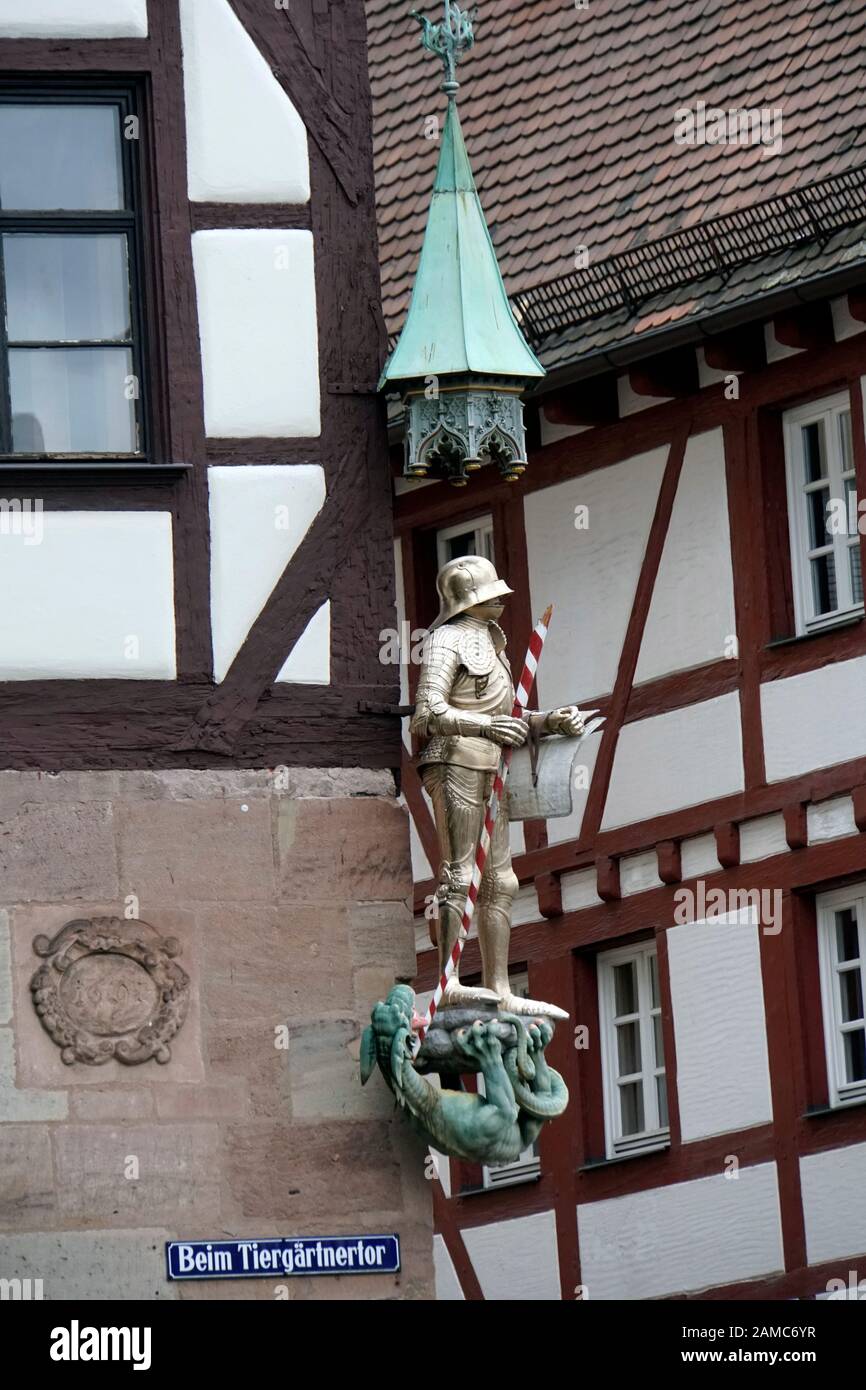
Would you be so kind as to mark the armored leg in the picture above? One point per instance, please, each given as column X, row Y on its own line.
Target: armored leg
column 458, row 797
column 495, row 902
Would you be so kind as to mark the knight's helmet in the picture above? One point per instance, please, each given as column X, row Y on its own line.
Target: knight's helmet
column 463, row 582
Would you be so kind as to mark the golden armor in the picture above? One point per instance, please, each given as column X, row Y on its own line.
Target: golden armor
column 463, row 706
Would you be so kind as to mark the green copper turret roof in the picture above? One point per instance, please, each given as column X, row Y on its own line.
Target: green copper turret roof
column 459, row 318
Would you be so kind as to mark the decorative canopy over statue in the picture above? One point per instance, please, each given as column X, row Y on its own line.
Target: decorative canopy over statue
column 461, row 361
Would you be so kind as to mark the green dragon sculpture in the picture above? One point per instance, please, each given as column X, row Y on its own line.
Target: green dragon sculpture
column 521, row 1092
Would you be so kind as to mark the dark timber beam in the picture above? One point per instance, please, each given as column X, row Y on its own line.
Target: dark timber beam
column 857, row 303
column 728, row 844
column 806, row 327
column 590, row 402
column 294, row 50
column 796, row 830
column 607, row 879
column 670, row 375
column 549, row 890
column 742, row 350
column 669, row 861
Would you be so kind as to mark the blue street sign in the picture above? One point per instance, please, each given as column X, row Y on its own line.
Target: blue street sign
column 281, row 1257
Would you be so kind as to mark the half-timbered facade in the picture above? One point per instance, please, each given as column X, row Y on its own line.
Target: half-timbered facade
column 195, row 566
column 691, row 510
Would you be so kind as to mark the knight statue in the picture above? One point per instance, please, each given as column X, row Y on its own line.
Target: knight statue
column 463, row 706
column 464, row 715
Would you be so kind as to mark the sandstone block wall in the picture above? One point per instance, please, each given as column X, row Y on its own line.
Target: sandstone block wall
column 290, row 899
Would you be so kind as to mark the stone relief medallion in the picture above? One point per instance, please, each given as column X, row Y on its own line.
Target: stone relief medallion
column 110, row 988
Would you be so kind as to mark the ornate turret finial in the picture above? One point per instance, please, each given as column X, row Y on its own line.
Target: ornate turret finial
column 449, row 40
column 461, row 361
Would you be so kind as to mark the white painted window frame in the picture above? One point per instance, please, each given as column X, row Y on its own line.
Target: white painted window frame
column 482, row 527
column 655, row 1136
column 842, row 1092
column 829, row 410
column 527, row 1167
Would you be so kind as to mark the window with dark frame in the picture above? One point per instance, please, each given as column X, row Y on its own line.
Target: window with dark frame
column 71, row 384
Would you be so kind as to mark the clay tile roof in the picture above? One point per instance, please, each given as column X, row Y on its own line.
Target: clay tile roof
column 569, row 113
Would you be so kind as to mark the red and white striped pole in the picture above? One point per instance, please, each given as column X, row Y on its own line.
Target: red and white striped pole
column 521, row 698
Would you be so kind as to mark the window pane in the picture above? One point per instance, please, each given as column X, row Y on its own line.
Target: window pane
column 657, row 1039
column 625, row 989
column 856, row 570
column 847, row 939
column 662, row 1096
column 855, row 1055
column 845, row 440
column 631, row 1108
column 824, row 584
column 66, row 288
column 654, row 981
column 58, row 157
column 851, row 992
column 816, row 503
column 628, row 1048
column 814, row 452
column 464, row 544
column 71, row 400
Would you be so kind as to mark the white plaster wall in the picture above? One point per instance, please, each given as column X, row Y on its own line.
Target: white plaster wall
column 830, row 820
column 73, row 19
column 691, row 613
column 681, row 758
column 638, row 872
column 579, row 890
column 844, row 323
column 448, row 1288
column 551, row 432
column 516, row 1260
column 710, row 376
column 589, row 575
column 560, row 828
column 833, row 1188
column 421, row 868
column 723, row 1072
column 77, row 603
column 256, row 294
column 309, row 662
column 814, row 719
column 776, row 351
column 422, row 937
column 246, row 142
column 762, row 837
column 687, row 1236
column 442, row 1164
column 630, row 402
column 259, row 514
column 698, row 856
column 400, row 600
column 526, row 907
column 405, row 485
